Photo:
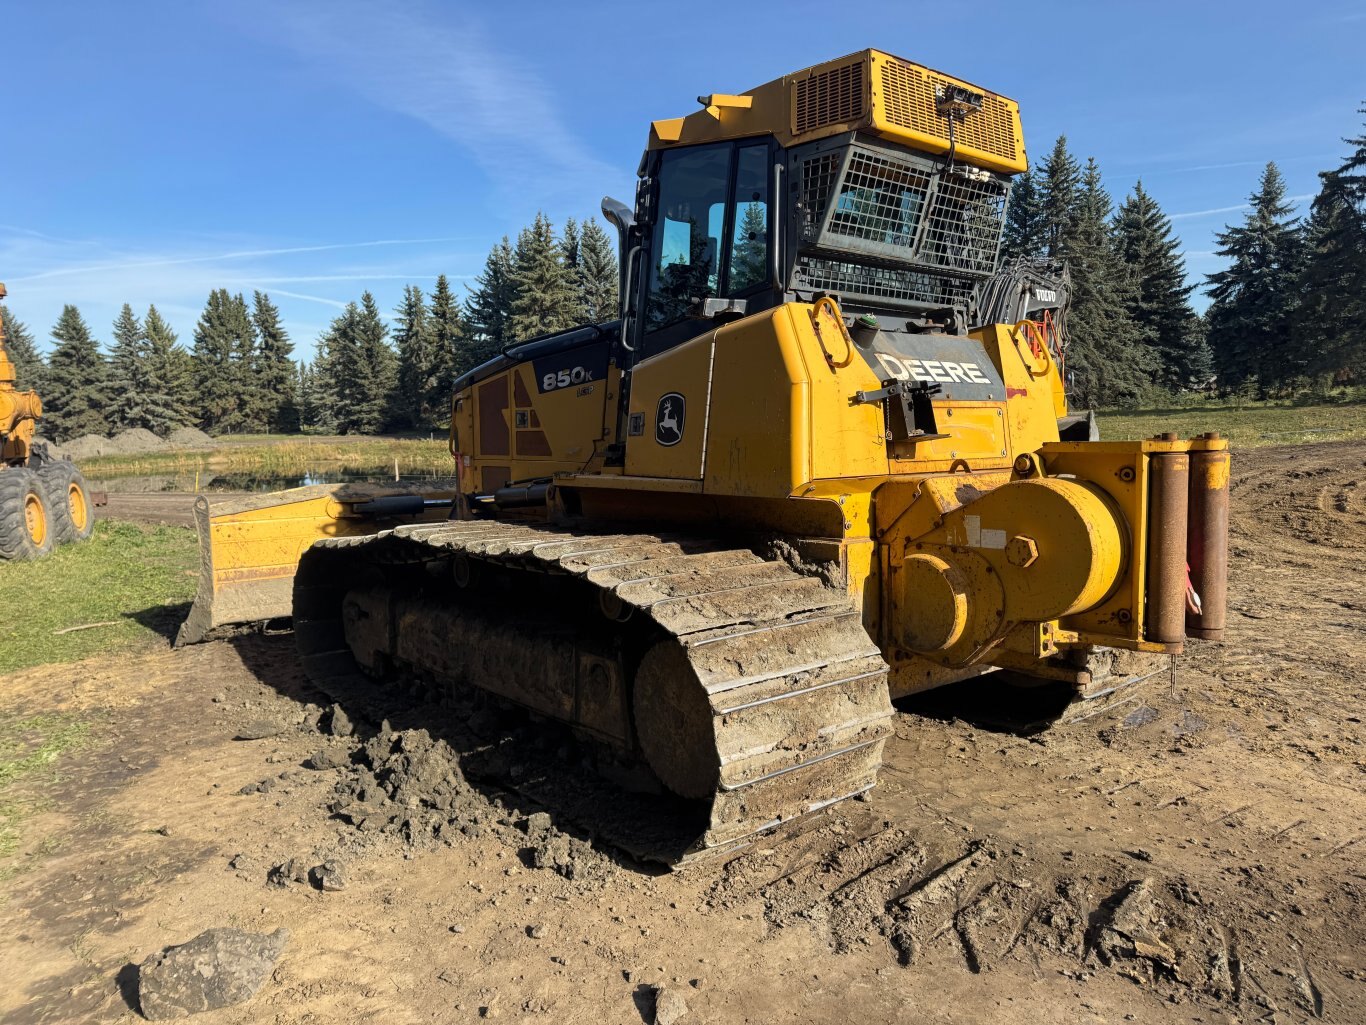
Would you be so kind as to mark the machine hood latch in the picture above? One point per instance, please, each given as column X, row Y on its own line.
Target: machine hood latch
column 907, row 409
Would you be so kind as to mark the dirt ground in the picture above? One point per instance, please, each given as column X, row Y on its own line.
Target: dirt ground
column 1195, row 854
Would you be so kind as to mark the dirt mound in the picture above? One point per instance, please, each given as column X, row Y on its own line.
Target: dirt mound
column 134, row 441
column 189, row 437
column 406, row 784
column 87, row 446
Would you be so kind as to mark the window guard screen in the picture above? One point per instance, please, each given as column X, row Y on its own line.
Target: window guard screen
column 899, row 207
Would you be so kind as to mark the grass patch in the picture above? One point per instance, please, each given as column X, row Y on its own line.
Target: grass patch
column 135, row 579
column 286, row 457
column 29, row 748
column 1246, row 426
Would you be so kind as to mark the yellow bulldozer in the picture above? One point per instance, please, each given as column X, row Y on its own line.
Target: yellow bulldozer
column 42, row 501
column 799, row 477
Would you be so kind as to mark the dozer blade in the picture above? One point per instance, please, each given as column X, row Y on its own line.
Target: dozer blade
column 250, row 548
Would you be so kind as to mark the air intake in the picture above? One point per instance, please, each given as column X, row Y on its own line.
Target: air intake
column 830, row 97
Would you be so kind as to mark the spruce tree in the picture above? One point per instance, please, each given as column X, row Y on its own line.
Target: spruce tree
column 128, row 380
column 317, row 398
column 223, row 363
column 571, row 256
column 170, row 374
column 1107, row 362
column 1023, row 236
column 421, row 366
column 543, row 300
column 339, row 370
column 450, row 340
column 29, row 369
column 1059, row 194
column 569, row 245
column 1330, row 330
column 488, row 308
column 1159, row 301
column 1254, row 300
column 364, row 368
column 77, row 398
column 273, row 368
column 599, row 276
column 250, row 416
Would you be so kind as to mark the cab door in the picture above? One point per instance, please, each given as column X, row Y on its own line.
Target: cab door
column 711, row 238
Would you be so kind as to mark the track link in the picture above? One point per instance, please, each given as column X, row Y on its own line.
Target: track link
column 760, row 692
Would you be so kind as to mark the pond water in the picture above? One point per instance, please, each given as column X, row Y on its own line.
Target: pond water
column 210, row 482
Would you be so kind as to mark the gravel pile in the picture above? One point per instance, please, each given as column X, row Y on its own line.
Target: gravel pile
column 189, row 437
column 135, row 441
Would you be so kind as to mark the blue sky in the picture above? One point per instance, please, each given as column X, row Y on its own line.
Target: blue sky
column 313, row 150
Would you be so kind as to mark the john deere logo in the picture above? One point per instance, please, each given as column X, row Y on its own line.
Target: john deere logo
column 669, row 419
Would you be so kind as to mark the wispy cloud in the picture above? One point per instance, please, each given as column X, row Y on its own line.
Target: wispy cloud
column 310, row 298
column 487, row 97
column 1213, row 211
column 241, row 254
column 1155, row 170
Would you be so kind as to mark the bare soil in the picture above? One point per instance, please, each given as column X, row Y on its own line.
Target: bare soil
column 1195, row 854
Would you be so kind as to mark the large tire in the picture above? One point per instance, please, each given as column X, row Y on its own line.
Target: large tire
column 73, row 514
column 26, row 529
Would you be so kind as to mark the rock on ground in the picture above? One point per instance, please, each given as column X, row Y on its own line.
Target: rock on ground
column 217, row 968
column 339, row 723
column 669, row 1006
column 258, row 729
column 329, row 876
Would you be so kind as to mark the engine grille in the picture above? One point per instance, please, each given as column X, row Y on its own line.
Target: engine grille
column 856, row 280
column 908, row 95
column 828, row 98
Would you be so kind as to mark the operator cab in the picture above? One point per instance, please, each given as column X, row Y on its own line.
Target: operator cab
column 726, row 229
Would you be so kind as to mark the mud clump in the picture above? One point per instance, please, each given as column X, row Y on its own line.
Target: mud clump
column 406, row 784
column 217, row 968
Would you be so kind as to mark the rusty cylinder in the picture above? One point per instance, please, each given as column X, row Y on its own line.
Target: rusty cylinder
column 1165, row 612
column 1207, row 540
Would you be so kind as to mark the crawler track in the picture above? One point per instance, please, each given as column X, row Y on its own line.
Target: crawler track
column 745, row 685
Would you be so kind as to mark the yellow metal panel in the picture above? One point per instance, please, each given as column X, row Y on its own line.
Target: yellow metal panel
column 670, row 396
column 847, row 440
column 904, row 109
column 561, row 430
column 1032, row 388
column 977, row 440
column 782, row 415
column 760, row 409
column 868, row 90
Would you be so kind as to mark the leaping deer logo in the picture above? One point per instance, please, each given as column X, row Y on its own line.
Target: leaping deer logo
column 669, row 419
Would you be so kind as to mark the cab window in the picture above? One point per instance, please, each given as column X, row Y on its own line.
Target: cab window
column 749, row 253
column 712, row 229
column 692, row 207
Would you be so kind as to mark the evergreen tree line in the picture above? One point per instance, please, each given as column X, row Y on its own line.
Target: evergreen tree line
column 239, row 374
column 1132, row 333
column 1287, row 313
